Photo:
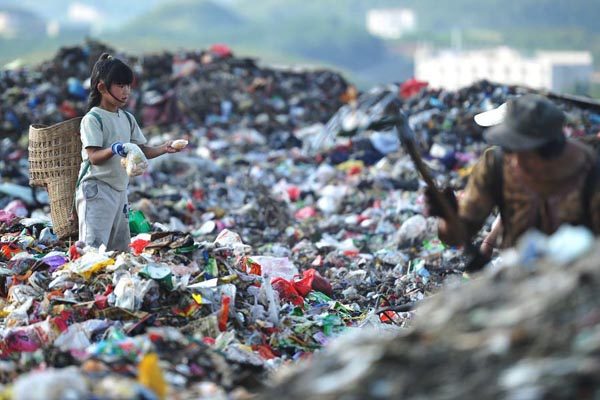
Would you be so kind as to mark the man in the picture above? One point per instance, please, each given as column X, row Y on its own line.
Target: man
column 536, row 177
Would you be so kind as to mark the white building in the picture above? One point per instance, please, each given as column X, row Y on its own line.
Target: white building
column 554, row 70
column 391, row 23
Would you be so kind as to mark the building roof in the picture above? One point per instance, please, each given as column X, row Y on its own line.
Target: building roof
column 566, row 57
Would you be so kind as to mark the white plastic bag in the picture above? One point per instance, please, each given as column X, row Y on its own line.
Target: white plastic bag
column 135, row 163
column 276, row 267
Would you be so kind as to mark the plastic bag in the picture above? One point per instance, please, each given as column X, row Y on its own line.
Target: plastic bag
column 33, row 337
column 135, row 163
column 90, row 263
column 125, row 293
column 232, row 240
column 65, row 383
column 78, row 336
column 287, row 291
column 138, row 222
column 276, row 267
column 131, row 292
column 412, row 231
column 312, row 280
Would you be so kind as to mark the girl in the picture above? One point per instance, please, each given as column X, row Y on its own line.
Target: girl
column 107, row 134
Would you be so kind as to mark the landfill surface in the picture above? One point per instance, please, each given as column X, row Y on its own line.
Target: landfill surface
column 291, row 218
column 526, row 329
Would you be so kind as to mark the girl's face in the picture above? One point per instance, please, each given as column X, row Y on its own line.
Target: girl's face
column 115, row 98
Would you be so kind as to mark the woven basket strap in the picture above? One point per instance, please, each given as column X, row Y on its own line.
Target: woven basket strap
column 86, row 167
column 97, row 116
column 129, row 118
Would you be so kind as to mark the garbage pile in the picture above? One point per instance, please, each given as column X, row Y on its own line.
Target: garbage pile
column 283, row 224
column 443, row 123
column 188, row 89
column 527, row 329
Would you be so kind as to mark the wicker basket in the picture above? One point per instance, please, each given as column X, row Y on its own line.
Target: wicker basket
column 53, row 150
column 64, row 220
column 54, row 162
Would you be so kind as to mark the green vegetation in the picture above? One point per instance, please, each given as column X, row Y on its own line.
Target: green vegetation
column 301, row 32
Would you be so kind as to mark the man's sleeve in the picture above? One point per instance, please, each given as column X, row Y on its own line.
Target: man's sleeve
column 137, row 136
column 91, row 132
column 595, row 209
column 477, row 201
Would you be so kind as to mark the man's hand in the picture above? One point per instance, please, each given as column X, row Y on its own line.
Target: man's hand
column 432, row 206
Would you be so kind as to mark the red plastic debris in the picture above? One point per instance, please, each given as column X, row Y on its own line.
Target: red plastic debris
column 265, row 351
column 9, row 250
column 100, row 301
column 224, row 313
column 138, row 246
column 287, row 291
column 220, row 49
column 354, row 170
column 198, row 194
column 412, row 87
column 305, row 212
column 312, row 280
column 73, row 253
column 190, row 206
column 251, row 267
column 351, row 253
column 208, row 340
column 293, row 193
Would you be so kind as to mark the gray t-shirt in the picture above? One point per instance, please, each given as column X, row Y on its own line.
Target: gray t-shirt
column 115, row 128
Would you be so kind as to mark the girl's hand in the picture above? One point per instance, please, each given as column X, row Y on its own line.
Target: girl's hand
column 169, row 148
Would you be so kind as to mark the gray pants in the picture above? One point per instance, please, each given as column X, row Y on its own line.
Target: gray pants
column 103, row 215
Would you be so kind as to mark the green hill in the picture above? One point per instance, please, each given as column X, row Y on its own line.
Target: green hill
column 191, row 21
column 302, row 32
column 333, row 32
column 526, row 24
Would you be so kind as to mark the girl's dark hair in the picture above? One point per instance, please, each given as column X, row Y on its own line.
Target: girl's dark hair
column 552, row 149
column 108, row 70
